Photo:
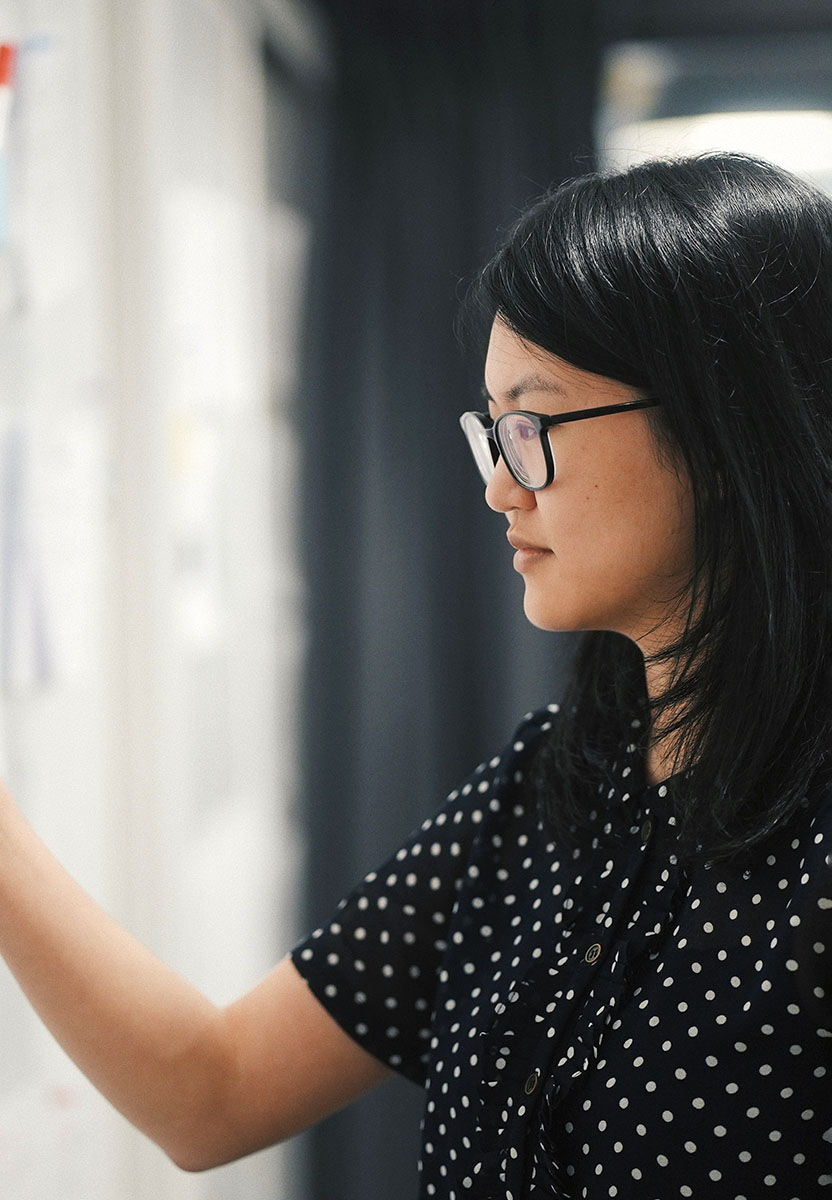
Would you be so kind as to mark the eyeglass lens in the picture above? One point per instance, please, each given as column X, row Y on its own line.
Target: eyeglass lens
column 520, row 445
column 483, row 447
column 522, row 449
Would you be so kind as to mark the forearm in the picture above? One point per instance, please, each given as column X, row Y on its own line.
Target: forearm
column 148, row 1040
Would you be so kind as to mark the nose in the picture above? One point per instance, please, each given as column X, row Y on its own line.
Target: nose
column 503, row 493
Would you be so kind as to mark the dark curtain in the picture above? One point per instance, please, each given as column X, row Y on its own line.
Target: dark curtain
column 444, row 119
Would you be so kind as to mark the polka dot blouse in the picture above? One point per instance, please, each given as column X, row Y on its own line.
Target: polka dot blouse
column 596, row 1022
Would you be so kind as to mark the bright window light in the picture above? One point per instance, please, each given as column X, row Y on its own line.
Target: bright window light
column 800, row 141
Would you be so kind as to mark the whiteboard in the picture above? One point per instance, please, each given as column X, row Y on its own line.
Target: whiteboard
column 151, row 633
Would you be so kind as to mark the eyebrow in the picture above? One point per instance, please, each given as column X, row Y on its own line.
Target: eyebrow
column 529, row 383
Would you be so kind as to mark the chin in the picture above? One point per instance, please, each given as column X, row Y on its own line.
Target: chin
column 547, row 617
column 541, row 612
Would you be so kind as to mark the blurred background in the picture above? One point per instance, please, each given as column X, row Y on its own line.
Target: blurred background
column 255, row 619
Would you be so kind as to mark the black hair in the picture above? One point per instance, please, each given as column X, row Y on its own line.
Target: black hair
column 707, row 282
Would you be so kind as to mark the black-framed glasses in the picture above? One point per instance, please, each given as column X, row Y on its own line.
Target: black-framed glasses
column 520, row 437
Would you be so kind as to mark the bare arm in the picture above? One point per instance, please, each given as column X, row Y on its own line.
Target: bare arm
column 207, row 1084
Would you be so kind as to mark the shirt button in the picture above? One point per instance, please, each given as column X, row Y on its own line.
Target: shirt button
column 593, row 953
column 531, row 1083
column 646, row 830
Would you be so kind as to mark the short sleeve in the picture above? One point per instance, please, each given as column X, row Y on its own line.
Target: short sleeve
column 811, row 925
column 376, row 965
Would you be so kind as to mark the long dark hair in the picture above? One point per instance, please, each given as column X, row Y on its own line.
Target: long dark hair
column 707, row 282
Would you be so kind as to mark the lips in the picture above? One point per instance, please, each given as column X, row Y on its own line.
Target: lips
column 520, row 544
column 526, row 554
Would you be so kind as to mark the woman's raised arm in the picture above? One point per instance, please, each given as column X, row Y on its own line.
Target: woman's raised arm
column 208, row 1084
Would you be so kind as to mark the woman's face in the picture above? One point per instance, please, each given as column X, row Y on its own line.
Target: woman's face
column 609, row 544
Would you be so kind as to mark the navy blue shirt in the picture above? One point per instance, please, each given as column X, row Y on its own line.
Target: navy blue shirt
column 600, row 1021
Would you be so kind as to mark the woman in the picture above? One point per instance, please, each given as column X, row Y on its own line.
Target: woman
column 607, row 957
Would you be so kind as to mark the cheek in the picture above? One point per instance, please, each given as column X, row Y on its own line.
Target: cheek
column 661, row 541
column 622, row 543
column 629, row 524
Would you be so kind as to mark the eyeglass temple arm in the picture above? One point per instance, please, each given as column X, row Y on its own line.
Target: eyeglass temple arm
column 604, row 410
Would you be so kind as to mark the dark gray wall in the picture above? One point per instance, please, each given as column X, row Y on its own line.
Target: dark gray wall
column 441, row 120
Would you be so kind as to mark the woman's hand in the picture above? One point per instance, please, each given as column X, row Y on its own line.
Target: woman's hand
column 207, row 1084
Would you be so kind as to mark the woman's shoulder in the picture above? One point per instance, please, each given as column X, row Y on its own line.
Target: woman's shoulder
column 815, row 835
column 497, row 777
column 533, row 727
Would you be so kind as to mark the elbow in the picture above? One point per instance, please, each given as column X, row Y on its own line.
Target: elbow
column 213, row 1121
column 202, row 1151
column 195, row 1160
column 197, row 1150
column 195, row 1163
column 197, row 1130
column 194, row 1157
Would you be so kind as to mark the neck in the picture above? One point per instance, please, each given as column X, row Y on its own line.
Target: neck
column 659, row 762
column 660, row 759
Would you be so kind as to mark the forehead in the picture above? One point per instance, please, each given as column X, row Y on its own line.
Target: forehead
column 515, row 367
column 511, row 357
